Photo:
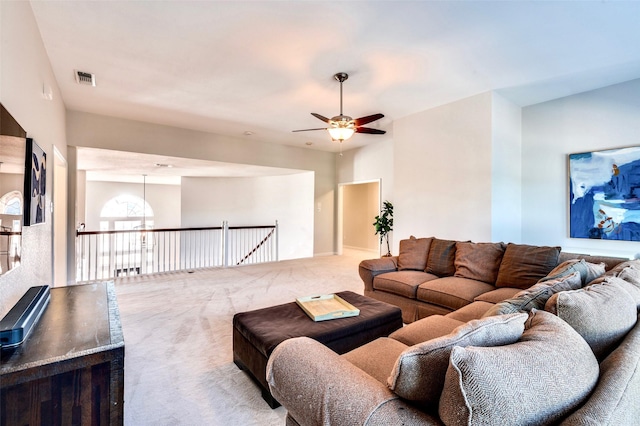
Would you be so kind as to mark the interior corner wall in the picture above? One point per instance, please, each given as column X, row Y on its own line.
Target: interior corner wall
column 506, row 177
column 601, row 119
column 442, row 171
column 248, row 201
column 24, row 72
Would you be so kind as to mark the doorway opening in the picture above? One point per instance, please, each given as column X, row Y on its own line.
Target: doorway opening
column 358, row 205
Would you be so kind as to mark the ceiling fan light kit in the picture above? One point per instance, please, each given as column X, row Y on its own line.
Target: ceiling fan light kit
column 342, row 127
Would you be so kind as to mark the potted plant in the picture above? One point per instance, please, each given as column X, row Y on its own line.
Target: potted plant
column 384, row 224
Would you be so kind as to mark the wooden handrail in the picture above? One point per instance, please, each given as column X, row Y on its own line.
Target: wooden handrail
column 204, row 228
column 257, row 247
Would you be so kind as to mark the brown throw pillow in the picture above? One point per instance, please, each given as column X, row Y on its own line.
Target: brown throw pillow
column 413, row 254
column 523, row 265
column 419, row 372
column 538, row 380
column 441, row 258
column 478, row 261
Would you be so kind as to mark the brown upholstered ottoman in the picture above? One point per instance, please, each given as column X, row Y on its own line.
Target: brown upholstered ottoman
column 257, row 333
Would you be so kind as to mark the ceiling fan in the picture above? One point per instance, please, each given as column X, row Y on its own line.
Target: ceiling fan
column 342, row 127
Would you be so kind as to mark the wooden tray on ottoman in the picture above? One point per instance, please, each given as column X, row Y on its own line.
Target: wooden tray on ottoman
column 327, row 307
column 257, row 333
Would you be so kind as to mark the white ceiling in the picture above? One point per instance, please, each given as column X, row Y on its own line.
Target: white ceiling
column 120, row 166
column 262, row 66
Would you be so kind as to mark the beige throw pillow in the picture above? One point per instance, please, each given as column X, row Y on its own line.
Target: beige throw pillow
column 535, row 297
column 419, row 372
column 413, row 254
column 601, row 313
column 538, row 380
column 478, row 261
column 627, row 276
column 588, row 271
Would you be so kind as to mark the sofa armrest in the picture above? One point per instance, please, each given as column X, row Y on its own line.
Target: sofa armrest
column 369, row 268
column 319, row 387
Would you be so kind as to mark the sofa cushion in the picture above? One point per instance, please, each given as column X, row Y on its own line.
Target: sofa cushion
column 537, row 380
column 403, row 283
column 601, row 313
column 451, row 292
column 478, row 261
column 419, row 372
column 441, row 258
column 627, row 276
column 498, row 295
column 425, row 329
column 588, row 271
column 473, row 310
column 377, row 358
column 615, row 271
column 536, row 296
column 413, row 254
column 523, row 265
column 631, row 274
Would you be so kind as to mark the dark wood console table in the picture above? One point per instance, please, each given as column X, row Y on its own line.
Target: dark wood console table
column 70, row 370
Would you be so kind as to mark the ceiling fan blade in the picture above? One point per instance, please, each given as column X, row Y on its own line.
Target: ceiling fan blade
column 320, row 117
column 308, row 130
column 370, row 131
column 368, row 119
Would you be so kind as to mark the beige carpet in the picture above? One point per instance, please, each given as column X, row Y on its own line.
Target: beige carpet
column 177, row 327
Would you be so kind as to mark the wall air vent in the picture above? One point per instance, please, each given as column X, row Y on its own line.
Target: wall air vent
column 85, row 78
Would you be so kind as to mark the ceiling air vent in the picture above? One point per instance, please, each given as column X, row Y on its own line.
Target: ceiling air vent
column 85, row 78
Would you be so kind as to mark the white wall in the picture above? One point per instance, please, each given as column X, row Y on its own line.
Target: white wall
column 11, row 182
column 596, row 120
column 163, row 199
column 97, row 131
column 24, row 71
column 442, row 171
column 371, row 162
column 255, row 201
column 506, row 175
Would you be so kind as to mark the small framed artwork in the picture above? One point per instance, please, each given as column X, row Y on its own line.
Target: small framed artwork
column 35, row 184
column 604, row 192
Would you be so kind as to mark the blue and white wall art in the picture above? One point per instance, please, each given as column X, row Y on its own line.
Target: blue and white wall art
column 605, row 194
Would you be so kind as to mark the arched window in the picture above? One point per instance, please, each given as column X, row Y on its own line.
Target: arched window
column 11, row 203
column 126, row 212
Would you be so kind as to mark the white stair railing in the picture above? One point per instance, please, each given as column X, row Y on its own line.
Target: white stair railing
column 109, row 254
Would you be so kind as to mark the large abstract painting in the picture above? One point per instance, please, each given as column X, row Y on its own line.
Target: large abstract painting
column 605, row 194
